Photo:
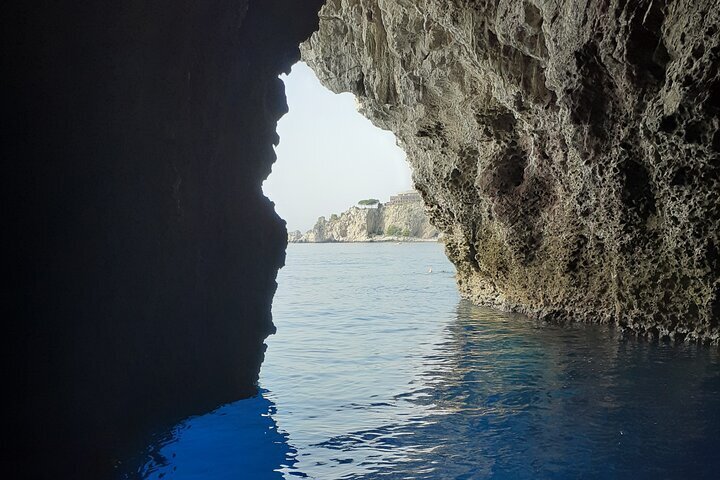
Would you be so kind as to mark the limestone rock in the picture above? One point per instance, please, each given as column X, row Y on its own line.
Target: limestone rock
column 411, row 220
column 407, row 222
column 354, row 225
column 569, row 151
column 295, row 236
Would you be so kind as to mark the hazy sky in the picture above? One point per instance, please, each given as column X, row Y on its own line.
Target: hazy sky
column 329, row 156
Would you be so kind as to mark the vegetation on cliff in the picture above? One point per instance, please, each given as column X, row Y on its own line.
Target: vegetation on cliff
column 387, row 222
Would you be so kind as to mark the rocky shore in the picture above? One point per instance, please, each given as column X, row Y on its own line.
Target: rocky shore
column 385, row 223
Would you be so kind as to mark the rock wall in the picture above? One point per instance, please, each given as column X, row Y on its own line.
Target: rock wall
column 569, row 150
column 411, row 219
column 353, row 225
column 405, row 222
column 136, row 136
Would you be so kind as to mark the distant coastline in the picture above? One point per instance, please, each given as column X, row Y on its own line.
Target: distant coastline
column 380, row 239
column 402, row 219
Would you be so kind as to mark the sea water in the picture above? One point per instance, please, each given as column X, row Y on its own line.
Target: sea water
column 379, row 370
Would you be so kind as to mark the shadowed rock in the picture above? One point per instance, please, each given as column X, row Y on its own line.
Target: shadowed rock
column 136, row 139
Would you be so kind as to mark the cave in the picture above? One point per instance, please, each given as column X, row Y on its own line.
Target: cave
column 137, row 138
column 571, row 158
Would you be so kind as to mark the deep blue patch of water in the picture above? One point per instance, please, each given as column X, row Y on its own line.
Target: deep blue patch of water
column 380, row 371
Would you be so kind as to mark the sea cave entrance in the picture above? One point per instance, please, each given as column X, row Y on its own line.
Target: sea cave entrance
column 357, row 313
column 330, row 157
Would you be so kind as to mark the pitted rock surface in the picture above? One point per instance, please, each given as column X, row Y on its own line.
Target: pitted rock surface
column 568, row 150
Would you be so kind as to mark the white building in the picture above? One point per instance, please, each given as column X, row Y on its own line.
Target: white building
column 411, row 196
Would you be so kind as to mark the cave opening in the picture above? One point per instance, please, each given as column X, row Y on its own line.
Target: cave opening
column 144, row 255
column 374, row 348
column 362, row 267
column 330, row 157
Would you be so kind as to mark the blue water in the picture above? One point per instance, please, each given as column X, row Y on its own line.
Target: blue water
column 380, row 371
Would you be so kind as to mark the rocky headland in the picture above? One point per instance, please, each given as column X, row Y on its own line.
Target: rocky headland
column 569, row 151
column 404, row 222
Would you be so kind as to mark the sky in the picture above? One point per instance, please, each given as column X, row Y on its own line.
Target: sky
column 329, row 156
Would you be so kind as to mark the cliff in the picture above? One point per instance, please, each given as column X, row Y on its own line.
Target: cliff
column 569, row 151
column 406, row 222
column 136, row 139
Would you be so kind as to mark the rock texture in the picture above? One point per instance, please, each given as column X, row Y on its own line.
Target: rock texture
column 354, row 225
column 136, row 137
column 407, row 222
column 569, row 150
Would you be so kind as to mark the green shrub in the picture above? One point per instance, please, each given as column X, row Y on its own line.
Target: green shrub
column 393, row 231
column 369, row 201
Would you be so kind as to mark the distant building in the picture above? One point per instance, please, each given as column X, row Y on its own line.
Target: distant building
column 411, row 196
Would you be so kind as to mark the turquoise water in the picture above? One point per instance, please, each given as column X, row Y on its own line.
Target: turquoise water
column 380, row 371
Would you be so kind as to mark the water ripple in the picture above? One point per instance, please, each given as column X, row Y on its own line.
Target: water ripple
column 378, row 370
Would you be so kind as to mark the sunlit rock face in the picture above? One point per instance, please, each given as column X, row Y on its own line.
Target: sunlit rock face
column 403, row 222
column 142, row 253
column 568, row 150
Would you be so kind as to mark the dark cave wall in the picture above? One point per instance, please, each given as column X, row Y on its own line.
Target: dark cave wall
column 142, row 253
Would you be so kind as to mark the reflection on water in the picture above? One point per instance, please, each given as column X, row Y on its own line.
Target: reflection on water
column 378, row 370
column 522, row 400
column 237, row 441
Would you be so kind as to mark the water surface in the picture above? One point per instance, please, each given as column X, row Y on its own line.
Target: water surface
column 379, row 370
